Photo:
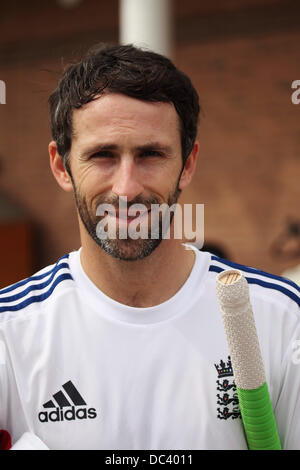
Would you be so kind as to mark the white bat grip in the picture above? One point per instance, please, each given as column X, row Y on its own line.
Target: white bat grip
column 240, row 330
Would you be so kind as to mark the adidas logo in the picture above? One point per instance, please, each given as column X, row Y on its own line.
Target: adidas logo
column 68, row 398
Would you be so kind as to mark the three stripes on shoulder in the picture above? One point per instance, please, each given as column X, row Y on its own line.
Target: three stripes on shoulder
column 36, row 288
column 260, row 278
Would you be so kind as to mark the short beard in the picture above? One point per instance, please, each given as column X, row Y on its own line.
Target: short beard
column 125, row 249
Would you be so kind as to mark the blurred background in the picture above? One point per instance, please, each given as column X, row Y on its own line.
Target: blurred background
column 242, row 56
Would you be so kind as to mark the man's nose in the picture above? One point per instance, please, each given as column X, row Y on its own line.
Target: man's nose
column 127, row 182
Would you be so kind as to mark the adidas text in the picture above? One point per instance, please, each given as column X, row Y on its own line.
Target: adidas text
column 67, row 415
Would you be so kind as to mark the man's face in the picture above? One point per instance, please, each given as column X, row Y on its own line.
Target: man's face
column 124, row 147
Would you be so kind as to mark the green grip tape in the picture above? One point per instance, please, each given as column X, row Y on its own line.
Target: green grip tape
column 258, row 418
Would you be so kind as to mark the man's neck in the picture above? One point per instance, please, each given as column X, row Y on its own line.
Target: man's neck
column 142, row 283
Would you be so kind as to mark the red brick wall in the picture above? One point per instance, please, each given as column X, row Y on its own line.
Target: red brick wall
column 248, row 173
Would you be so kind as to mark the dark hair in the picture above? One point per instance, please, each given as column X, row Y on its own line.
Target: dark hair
column 134, row 72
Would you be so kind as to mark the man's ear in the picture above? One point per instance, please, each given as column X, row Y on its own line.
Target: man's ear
column 60, row 173
column 189, row 167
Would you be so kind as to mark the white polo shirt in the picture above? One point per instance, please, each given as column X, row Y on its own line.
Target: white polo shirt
column 79, row 370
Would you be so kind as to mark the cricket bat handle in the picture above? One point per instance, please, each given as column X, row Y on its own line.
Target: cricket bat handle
column 248, row 368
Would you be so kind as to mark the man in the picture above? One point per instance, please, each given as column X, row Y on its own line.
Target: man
column 120, row 345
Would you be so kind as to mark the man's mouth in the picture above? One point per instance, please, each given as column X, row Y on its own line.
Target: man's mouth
column 126, row 216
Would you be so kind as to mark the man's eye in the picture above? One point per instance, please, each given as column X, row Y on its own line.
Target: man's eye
column 102, row 154
column 151, row 153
